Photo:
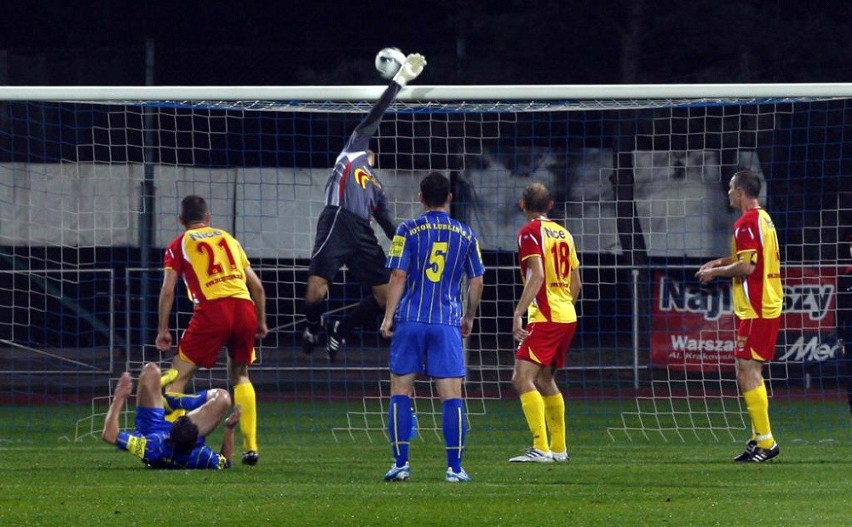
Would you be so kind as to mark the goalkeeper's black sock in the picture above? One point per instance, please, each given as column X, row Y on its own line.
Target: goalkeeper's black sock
column 313, row 314
column 364, row 315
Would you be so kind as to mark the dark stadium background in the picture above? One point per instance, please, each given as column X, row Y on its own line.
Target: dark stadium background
column 103, row 42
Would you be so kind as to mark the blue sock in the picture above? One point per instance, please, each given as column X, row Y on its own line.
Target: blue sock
column 455, row 431
column 185, row 401
column 414, row 425
column 399, row 427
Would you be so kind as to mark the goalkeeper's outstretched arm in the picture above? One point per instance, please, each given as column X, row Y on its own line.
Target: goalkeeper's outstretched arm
column 410, row 70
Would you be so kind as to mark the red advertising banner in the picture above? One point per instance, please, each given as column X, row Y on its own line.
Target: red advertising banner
column 693, row 325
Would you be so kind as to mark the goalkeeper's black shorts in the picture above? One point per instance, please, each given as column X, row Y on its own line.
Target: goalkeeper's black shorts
column 345, row 238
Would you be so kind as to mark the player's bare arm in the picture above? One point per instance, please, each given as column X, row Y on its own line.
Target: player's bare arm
column 395, row 290
column 714, row 263
column 167, row 300
column 576, row 284
column 474, row 295
column 534, row 281
column 122, row 392
column 726, row 268
column 227, row 450
column 258, row 295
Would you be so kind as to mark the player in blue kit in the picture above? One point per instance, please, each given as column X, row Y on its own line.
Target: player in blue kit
column 353, row 196
column 430, row 257
column 165, row 445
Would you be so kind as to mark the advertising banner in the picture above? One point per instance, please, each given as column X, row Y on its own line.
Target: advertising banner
column 693, row 326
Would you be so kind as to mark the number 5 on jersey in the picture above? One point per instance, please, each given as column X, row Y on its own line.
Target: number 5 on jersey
column 437, row 261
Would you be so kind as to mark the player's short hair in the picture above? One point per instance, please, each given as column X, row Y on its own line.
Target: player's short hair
column 749, row 182
column 193, row 208
column 435, row 188
column 536, row 198
column 184, row 435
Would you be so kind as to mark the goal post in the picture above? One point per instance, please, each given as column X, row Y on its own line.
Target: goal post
column 91, row 179
column 427, row 94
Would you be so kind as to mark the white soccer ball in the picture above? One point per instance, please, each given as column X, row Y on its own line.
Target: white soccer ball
column 388, row 62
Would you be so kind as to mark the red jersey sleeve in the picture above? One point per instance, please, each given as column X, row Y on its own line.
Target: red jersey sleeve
column 529, row 242
column 747, row 235
column 172, row 258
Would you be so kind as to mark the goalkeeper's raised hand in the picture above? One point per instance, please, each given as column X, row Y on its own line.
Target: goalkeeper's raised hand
column 411, row 68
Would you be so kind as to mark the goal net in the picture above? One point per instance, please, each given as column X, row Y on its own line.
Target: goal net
column 91, row 180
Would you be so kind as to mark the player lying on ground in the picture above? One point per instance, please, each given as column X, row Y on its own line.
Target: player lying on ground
column 161, row 444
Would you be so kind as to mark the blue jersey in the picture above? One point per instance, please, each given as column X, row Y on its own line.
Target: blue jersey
column 437, row 252
column 150, row 443
column 154, row 450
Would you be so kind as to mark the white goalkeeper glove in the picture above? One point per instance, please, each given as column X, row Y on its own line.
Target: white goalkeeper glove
column 410, row 69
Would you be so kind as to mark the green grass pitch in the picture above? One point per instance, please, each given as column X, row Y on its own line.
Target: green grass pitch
column 306, row 478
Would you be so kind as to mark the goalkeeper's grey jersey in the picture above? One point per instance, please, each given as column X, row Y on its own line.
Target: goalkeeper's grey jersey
column 352, row 184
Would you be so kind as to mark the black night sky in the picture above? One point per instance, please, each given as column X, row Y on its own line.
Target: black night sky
column 331, row 42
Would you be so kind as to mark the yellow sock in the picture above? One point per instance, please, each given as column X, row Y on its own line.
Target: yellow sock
column 533, row 407
column 554, row 412
column 757, row 402
column 174, row 414
column 168, row 377
column 245, row 397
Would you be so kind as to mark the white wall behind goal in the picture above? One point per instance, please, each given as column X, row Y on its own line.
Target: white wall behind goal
column 272, row 211
column 69, row 204
column 680, row 198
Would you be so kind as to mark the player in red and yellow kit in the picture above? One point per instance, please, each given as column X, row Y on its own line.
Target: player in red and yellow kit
column 755, row 267
column 229, row 310
column 550, row 271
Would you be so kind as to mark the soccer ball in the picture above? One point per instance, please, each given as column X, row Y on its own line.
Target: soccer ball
column 388, row 62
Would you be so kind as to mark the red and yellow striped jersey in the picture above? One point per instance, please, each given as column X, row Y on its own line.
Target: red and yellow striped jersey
column 211, row 262
column 760, row 294
column 555, row 246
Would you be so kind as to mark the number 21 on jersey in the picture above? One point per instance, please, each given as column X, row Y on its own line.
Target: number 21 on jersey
column 214, row 256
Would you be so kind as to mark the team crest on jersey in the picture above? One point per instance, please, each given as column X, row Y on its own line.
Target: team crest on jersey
column 397, row 246
column 362, row 177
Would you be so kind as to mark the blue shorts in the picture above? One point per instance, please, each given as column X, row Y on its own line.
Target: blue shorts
column 430, row 349
column 151, row 421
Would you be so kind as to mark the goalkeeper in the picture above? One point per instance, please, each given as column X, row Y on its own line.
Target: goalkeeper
column 165, row 445
column 353, row 195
